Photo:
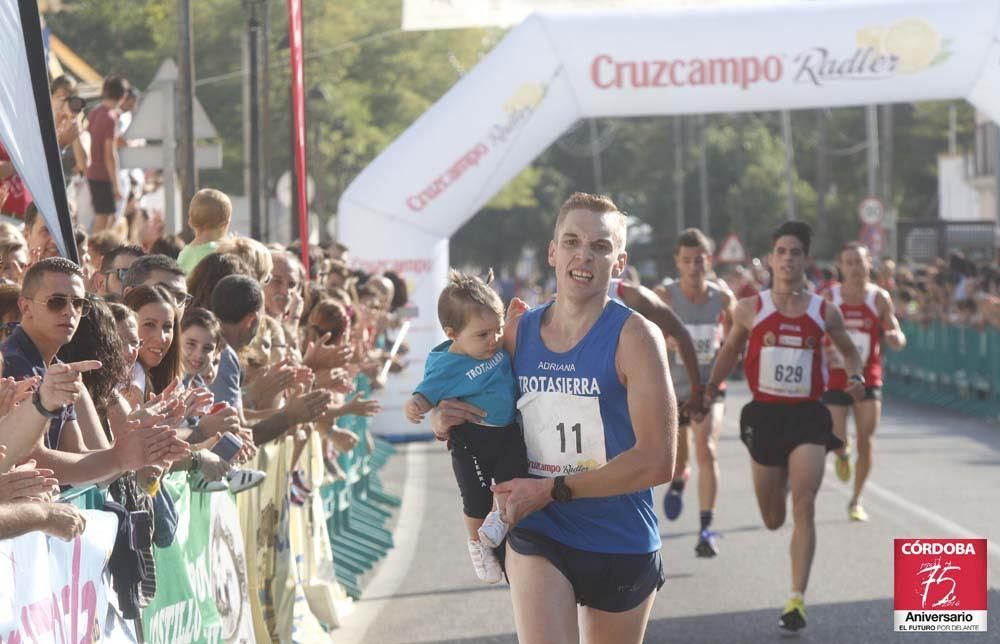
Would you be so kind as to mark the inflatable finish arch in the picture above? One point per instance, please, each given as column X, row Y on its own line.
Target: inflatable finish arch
column 554, row 69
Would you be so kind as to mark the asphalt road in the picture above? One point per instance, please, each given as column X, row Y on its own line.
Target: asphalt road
column 936, row 475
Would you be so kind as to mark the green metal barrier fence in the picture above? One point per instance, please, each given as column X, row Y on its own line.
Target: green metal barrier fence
column 948, row 366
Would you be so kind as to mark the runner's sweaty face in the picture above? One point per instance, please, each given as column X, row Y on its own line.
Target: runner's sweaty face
column 855, row 265
column 586, row 253
column 693, row 263
column 787, row 260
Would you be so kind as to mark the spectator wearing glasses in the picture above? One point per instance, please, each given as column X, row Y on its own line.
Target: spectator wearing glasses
column 159, row 270
column 110, row 280
column 100, row 245
column 52, row 303
column 10, row 313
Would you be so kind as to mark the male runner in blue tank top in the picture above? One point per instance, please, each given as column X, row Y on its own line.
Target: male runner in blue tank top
column 600, row 426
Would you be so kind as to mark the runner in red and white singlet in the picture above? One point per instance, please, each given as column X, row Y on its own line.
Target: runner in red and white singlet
column 786, row 428
column 869, row 319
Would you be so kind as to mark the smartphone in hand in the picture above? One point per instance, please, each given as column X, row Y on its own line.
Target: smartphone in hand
column 228, row 447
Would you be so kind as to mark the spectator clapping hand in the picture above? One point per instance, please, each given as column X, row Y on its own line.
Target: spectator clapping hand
column 25, row 483
column 14, row 392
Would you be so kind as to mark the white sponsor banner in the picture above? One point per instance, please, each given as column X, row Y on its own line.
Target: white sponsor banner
column 940, row 621
column 53, row 591
column 452, row 14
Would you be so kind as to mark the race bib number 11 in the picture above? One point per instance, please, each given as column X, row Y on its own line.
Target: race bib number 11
column 563, row 433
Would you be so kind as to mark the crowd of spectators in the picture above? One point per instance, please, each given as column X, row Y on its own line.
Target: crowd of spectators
column 133, row 364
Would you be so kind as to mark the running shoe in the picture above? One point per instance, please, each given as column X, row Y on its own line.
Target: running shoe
column 793, row 616
column 485, row 562
column 708, row 544
column 242, row 479
column 855, row 512
column 493, row 530
column 673, row 501
column 843, row 467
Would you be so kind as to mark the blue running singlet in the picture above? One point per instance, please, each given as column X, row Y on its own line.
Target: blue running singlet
column 575, row 415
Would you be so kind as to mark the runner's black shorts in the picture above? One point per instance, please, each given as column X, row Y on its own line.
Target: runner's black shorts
column 101, row 197
column 481, row 455
column 772, row 430
column 683, row 420
column 610, row 582
column 840, row 398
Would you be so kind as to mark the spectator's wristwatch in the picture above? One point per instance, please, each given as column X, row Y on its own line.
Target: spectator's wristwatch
column 36, row 400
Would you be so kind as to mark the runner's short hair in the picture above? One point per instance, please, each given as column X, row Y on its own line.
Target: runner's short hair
column 694, row 238
column 465, row 294
column 797, row 229
column 599, row 204
column 852, row 245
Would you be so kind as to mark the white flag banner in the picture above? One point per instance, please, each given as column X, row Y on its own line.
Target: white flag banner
column 52, row 590
column 27, row 128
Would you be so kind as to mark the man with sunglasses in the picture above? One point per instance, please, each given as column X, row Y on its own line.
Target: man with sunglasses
column 158, row 270
column 110, row 280
column 52, row 303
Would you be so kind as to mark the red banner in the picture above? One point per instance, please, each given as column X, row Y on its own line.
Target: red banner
column 299, row 122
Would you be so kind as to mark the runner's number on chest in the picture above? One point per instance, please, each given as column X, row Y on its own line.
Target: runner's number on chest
column 785, row 371
column 563, row 433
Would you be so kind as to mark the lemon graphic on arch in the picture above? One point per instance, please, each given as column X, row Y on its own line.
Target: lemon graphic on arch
column 914, row 42
column 871, row 37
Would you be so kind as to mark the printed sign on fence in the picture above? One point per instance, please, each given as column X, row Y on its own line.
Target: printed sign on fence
column 52, row 590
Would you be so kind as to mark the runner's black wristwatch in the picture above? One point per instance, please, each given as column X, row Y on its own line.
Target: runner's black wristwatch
column 858, row 378
column 561, row 491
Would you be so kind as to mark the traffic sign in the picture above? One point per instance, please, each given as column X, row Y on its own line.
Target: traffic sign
column 871, row 211
column 732, row 251
column 873, row 236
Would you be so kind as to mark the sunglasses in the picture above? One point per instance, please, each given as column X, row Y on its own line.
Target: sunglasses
column 7, row 328
column 182, row 299
column 57, row 304
column 119, row 273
